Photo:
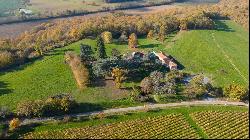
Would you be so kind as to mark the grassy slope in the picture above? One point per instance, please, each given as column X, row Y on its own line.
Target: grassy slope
column 197, row 51
column 194, row 49
column 137, row 115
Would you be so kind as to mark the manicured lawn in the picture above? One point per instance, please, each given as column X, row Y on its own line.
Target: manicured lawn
column 186, row 114
column 195, row 50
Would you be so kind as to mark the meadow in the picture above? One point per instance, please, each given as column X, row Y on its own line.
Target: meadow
column 173, row 122
column 195, row 50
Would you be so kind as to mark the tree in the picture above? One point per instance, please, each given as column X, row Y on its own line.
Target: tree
column 123, row 38
column 146, row 85
column 197, row 87
column 162, row 33
column 14, row 123
column 86, row 53
column 150, row 34
column 235, row 92
column 107, row 37
column 119, row 76
column 183, row 24
column 101, row 53
column 132, row 41
column 115, row 53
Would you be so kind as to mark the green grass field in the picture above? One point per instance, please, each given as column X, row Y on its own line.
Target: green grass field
column 174, row 119
column 195, row 50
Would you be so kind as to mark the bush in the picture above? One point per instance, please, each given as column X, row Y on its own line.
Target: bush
column 14, row 123
column 235, row 92
column 31, row 108
column 197, row 88
column 175, row 76
column 4, row 112
column 58, row 105
column 116, row 53
column 6, row 59
column 135, row 93
column 55, row 105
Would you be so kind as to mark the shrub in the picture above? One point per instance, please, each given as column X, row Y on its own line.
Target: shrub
column 6, row 59
column 107, row 37
column 59, row 104
column 235, row 92
column 115, row 53
column 135, row 93
column 197, row 87
column 4, row 112
column 31, row 108
column 175, row 76
column 14, row 123
column 55, row 105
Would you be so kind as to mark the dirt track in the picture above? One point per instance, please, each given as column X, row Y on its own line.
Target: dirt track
column 139, row 108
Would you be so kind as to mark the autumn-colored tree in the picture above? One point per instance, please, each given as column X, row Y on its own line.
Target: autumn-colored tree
column 133, row 41
column 101, row 53
column 14, row 123
column 183, row 24
column 150, row 34
column 119, row 76
column 107, row 37
column 162, row 33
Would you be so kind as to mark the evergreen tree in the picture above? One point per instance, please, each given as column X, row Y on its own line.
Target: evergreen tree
column 101, row 53
column 86, row 53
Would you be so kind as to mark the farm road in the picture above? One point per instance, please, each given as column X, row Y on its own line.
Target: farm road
column 137, row 108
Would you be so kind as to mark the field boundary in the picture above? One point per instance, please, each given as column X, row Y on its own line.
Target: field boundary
column 136, row 108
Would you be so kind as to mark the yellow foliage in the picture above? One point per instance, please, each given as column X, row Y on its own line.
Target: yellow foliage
column 107, row 37
column 119, row 76
column 14, row 123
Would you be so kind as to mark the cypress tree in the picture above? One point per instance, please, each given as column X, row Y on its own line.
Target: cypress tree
column 101, row 52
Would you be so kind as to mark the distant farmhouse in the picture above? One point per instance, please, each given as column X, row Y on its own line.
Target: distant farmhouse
column 165, row 59
column 25, row 11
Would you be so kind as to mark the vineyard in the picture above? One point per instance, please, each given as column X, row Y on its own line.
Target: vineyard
column 227, row 125
column 211, row 124
column 170, row 126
